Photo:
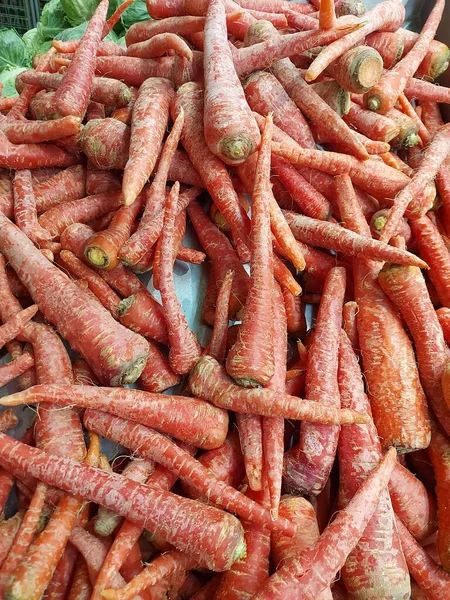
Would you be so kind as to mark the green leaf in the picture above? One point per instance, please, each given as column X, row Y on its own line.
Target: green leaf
column 53, row 20
column 34, row 43
column 76, row 33
column 13, row 51
column 135, row 13
column 79, row 11
column 8, row 79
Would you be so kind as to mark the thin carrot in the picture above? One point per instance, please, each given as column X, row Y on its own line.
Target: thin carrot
column 433, row 580
column 8, row 530
column 112, row 21
column 387, row 15
column 134, row 249
column 436, row 59
column 331, row 236
column 208, row 380
column 27, row 132
column 11, row 329
column 105, row 48
column 317, row 567
column 156, row 447
column 67, row 185
column 32, row 156
column 385, row 93
column 377, row 127
column 81, row 588
column 218, row 344
column 250, row 361
column 145, row 30
column 305, row 469
column 211, row 169
column 359, row 452
column 148, row 124
column 250, row 434
column 184, row 346
column 159, row 45
column 349, row 312
column 72, row 97
column 25, row 214
column 327, row 14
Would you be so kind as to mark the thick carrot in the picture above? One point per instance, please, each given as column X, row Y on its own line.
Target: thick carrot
column 432, row 579
column 104, row 90
column 149, row 122
column 222, row 255
column 373, row 177
column 47, row 131
column 250, row 361
column 25, row 214
column 156, row 447
column 32, row 156
column 8, row 530
column 315, row 570
column 134, row 249
column 184, row 346
column 385, row 93
column 120, row 364
column 11, row 329
column 72, row 97
column 106, row 143
column 331, row 236
column 358, row 70
column 359, row 453
column 386, row 16
column 67, row 185
column 230, row 129
column 142, row 504
column 327, row 14
column 377, row 127
column 389, row 45
column 157, row 375
column 143, row 407
column 208, row 380
column 299, row 511
column 211, row 169
column 143, row 314
column 436, row 59
column 305, row 469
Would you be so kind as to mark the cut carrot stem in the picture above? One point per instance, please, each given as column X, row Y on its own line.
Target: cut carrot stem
column 250, row 361
column 358, row 70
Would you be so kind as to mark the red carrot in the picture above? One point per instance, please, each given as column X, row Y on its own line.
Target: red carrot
column 391, row 46
column 436, row 59
column 33, row 132
column 250, row 434
column 157, row 447
column 208, row 380
column 218, row 344
column 439, row 446
column 106, row 143
column 317, row 567
column 25, row 214
column 149, row 122
column 321, row 233
column 157, row 375
column 134, row 249
column 377, row 127
column 386, row 16
column 62, row 187
column 422, row 567
column 8, row 420
column 145, row 30
column 250, row 361
column 385, row 93
column 8, row 530
column 230, row 129
column 81, row 588
column 72, row 97
column 11, row 329
column 223, row 257
column 304, row 469
column 327, row 14
column 143, row 314
column 159, row 45
column 299, row 511
column 105, row 48
column 184, row 346
column 32, row 156
column 121, row 364
column 443, row 315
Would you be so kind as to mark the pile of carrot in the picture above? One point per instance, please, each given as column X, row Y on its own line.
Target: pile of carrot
column 300, row 449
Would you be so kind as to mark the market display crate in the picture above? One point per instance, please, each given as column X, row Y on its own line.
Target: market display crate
column 21, row 15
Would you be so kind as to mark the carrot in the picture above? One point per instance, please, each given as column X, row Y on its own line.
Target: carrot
column 389, row 45
column 62, row 187
column 321, row 233
column 102, row 249
column 134, row 249
column 386, row 16
column 25, row 214
column 408, row 134
column 149, row 121
column 218, row 342
column 436, row 58
column 443, row 315
column 157, row 375
column 184, row 346
column 128, row 536
column 376, row 127
column 106, row 143
column 359, row 451
column 250, row 434
column 139, row 32
column 222, row 255
column 385, row 93
column 32, row 156
column 81, row 588
column 157, row 447
column 8, row 420
column 304, row 469
column 299, row 511
column 104, row 90
column 210, row 168
column 209, row 589
column 47, row 131
column 250, row 361
column 275, row 6
column 191, row 255
column 142, row 504
column 230, row 129
column 378, row 221
column 8, row 530
column 16, row 324
column 381, row 182
column 422, row 567
column 327, row 14
column 159, row 45
column 143, row 314
column 208, row 380
column 265, row 94
column 105, row 48
column 72, row 97
column 317, row 567
column 143, row 407
column 121, row 364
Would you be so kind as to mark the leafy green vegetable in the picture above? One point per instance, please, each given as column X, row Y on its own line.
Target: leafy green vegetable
column 76, row 33
column 34, row 42
column 53, row 21
column 134, row 13
column 79, row 11
column 8, row 78
column 13, row 51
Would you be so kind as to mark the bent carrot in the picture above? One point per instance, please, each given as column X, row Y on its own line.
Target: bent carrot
column 72, row 97
column 148, row 124
column 250, row 361
column 159, row 45
column 25, row 214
